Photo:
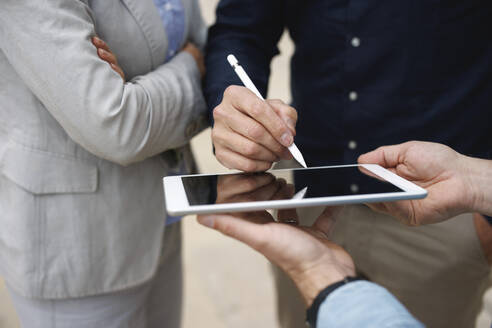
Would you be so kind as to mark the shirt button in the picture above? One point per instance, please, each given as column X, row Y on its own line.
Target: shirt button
column 168, row 6
column 353, row 96
column 352, row 144
column 354, row 188
column 355, row 42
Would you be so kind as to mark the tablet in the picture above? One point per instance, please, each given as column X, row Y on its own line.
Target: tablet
column 291, row 188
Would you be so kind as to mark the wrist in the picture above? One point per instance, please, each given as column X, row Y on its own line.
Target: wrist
column 311, row 282
column 479, row 179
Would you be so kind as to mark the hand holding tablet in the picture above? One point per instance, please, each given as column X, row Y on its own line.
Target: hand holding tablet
column 306, row 254
column 456, row 183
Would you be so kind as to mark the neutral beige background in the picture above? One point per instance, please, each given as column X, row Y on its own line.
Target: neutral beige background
column 226, row 283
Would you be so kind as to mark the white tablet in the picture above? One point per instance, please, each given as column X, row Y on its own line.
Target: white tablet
column 243, row 192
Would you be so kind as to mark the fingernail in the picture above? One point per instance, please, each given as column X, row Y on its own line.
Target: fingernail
column 291, row 124
column 207, row 221
column 286, row 139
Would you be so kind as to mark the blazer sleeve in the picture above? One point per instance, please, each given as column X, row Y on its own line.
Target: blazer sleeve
column 49, row 45
column 249, row 29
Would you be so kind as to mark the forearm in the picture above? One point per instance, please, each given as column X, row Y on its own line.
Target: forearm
column 478, row 174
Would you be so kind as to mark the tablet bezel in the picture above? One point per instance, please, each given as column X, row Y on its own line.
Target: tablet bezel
column 177, row 202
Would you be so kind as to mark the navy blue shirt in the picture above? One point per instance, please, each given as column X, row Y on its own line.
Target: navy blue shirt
column 367, row 73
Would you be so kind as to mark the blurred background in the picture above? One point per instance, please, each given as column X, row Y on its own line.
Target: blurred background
column 226, row 283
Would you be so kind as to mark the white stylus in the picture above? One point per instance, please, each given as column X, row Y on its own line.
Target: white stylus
column 249, row 84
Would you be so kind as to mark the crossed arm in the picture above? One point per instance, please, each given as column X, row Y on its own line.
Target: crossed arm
column 52, row 53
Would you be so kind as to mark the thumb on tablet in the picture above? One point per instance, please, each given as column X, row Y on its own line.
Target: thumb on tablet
column 386, row 156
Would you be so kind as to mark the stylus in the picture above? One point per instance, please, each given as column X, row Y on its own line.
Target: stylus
column 250, row 85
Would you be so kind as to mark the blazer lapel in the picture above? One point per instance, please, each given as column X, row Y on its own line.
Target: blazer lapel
column 147, row 17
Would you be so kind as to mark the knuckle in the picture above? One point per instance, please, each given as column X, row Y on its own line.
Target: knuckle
column 260, row 244
column 215, row 135
column 217, row 112
column 226, row 229
column 227, row 165
column 231, row 91
column 255, row 132
column 277, row 129
column 249, row 166
column 278, row 149
column 276, row 102
column 257, row 107
column 265, row 166
column 380, row 149
column 251, row 149
column 219, row 154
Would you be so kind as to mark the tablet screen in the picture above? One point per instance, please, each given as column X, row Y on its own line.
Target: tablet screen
column 247, row 187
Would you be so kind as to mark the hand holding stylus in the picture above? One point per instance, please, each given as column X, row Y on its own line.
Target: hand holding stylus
column 244, row 77
column 250, row 134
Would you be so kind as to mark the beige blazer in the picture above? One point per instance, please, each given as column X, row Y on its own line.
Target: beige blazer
column 81, row 200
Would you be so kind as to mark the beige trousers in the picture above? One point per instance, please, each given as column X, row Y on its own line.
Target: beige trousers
column 439, row 272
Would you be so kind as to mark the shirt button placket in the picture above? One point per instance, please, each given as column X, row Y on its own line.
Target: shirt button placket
column 353, row 96
column 355, row 42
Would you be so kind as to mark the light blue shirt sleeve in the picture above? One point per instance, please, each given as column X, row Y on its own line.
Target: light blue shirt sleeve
column 363, row 304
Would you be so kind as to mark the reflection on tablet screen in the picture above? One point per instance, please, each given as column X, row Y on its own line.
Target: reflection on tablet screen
column 247, row 187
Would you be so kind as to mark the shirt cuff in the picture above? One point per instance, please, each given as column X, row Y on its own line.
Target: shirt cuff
column 488, row 218
column 364, row 304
